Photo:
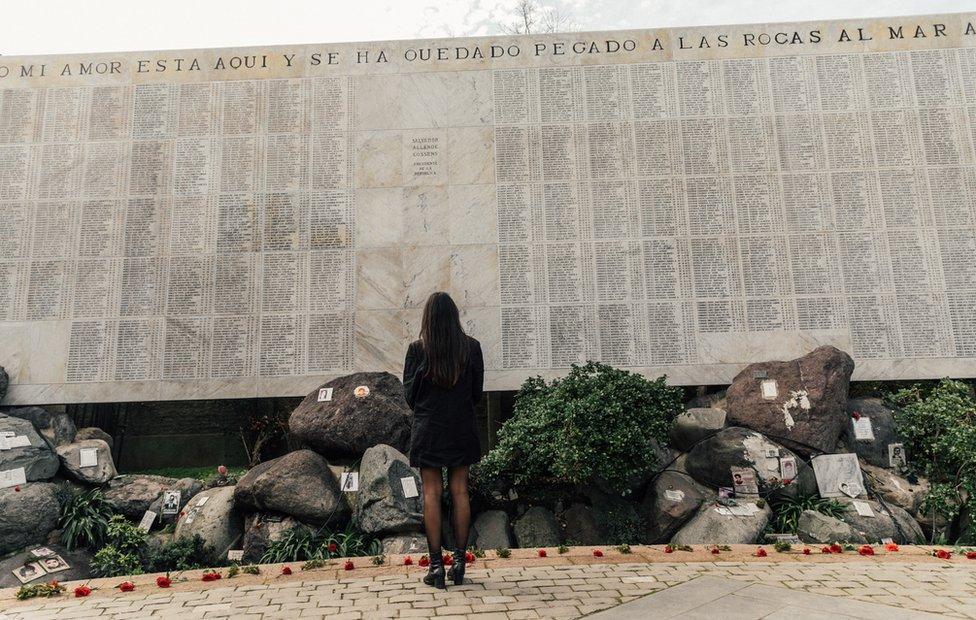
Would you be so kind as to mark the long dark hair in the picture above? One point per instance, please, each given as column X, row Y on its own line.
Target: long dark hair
column 444, row 340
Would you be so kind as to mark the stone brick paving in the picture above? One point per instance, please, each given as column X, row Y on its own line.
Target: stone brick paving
column 568, row 586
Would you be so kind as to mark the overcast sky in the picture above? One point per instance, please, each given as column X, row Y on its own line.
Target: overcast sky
column 65, row 26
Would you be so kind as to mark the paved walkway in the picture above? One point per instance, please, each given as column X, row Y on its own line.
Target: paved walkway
column 631, row 586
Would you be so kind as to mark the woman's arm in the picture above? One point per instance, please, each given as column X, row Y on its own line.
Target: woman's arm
column 477, row 373
column 409, row 373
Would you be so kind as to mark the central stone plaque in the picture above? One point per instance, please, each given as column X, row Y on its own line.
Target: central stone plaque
column 252, row 222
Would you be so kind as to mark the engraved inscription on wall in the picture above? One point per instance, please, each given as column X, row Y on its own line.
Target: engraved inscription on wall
column 220, row 223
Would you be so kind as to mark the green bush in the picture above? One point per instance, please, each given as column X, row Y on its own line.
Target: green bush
column 939, row 427
column 787, row 511
column 111, row 562
column 84, row 519
column 598, row 422
column 179, row 555
column 300, row 543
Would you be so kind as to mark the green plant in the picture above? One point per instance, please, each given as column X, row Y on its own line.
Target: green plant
column 624, row 548
column 478, row 553
column 781, row 546
column 787, row 511
column 301, row 543
column 378, row 560
column 124, row 536
column 503, row 552
column 938, row 424
column 181, row 554
column 623, row 525
column 294, row 545
column 233, row 571
column 562, row 549
column 251, row 570
column 44, row 590
column 597, row 423
column 313, row 564
column 84, row 519
column 112, row 562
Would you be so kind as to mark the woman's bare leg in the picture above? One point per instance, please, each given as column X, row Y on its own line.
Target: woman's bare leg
column 433, row 489
column 457, row 483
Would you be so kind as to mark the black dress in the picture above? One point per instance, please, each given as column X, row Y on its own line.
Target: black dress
column 443, row 433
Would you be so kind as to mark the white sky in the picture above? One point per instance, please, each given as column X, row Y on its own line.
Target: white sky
column 66, row 26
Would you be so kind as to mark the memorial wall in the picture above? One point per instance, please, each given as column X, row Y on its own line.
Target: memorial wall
column 250, row 222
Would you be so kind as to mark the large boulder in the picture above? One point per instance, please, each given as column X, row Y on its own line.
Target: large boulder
column 582, row 526
column 711, row 461
column 299, row 484
column 815, row 527
column 381, row 505
column 889, row 521
column 210, row 514
column 27, row 515
column 492, row 530
column 694, row 425
column 874, row 451
column 895, row 489
column 100, row 473
column 79, row 562
column 262, row 529
column 58, row 428
column 714, row 525
column 673, row 499
column 404, row 544
column 537, row 528
column 809, row 409
column 347, row 425
column 92, row 432
column 133, row 495
column 38, row 459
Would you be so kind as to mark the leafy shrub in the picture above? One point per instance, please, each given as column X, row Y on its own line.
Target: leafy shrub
column 181, row 554
column 300, row 543
column 787, row 511
column 122, row 553
column 84, row 519
column 939, row 426
column 503, row 552
column 623, row 526
column 597, row 422
column 44, row 590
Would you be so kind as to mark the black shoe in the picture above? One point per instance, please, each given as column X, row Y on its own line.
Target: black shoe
column 457, row 569
column 435, row 574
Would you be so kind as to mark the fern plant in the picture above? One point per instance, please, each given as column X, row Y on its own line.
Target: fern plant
column 787, row 511
column 84, row 520
column 299, row 544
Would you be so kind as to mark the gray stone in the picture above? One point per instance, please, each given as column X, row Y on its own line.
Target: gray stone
column 816, row 527
column 715, row 400
column 133, row 495
column 537, row 528
column 27, row 515
column 492, row 530
column 711, row 461
column 405, row 544
column 670, row 501
column 694, row 425
column 102, row 472
column 4, row 383
column 299, row 484
column 38, row 459
column 813, row 425
column 874, row 452
column 261, row 529
column 92, row 432
column 381, row 506
column 213, row 519
column 582, row 526
column 710, row 527
column 79, row 560
column 895, row 489
column 58, row 428
column 348, row 425
column 889, row 521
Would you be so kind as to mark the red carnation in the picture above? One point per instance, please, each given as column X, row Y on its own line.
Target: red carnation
column 163, row 582
column 866, row 550
column 806, row 551
column 286, row 570
column 971, row 555
column 448, row 559
column 760, row 553
column 81, row 591
column 942, row 554
column 826, row 550
column 332, row 547
column 668, row 549
column 17, row 488
column 424, row 561
column 836, row 548
column 597, row 553
column 222, row 470
column 469, row 557
column 408, row 561
column 349, row 565
column 715, row 551
column 856, row 415
column 891, row 547
column 127, row 586
column 542, row 553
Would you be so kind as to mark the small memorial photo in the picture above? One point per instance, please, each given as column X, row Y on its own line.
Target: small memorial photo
column 54, row 564
column 361, row 392
column 744, row 481
column 42, row 552
column 171, row 502
column 28, row 572
column 325, row 395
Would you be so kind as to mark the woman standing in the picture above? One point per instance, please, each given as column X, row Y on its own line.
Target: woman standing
column 443, row 376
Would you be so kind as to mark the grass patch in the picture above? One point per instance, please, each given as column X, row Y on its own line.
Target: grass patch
column 200, row 473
